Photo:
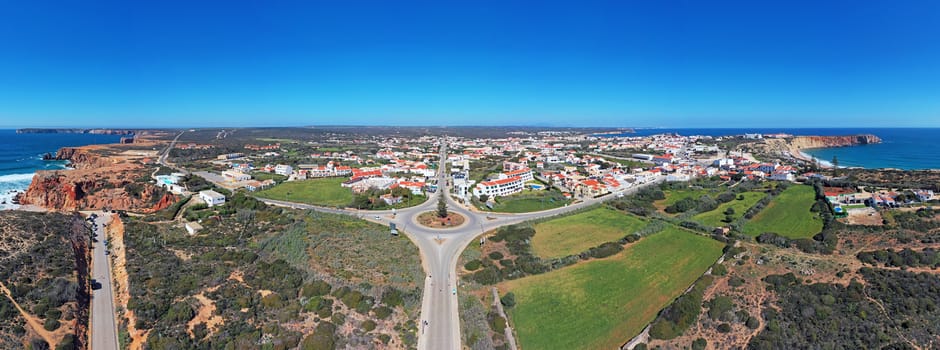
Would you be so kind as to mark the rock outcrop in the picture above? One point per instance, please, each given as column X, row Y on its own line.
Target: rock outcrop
column 803, row 142
column 80, row 158
column 96, row 182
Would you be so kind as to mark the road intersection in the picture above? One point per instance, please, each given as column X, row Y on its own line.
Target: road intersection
column 439, row 327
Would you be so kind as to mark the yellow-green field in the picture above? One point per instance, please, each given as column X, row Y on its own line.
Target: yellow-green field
column 714, row 217
column 576, row 233
column 325, row 191
column 600, row 304
column 788, row 215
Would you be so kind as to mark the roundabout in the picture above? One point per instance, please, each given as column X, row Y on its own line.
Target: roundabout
column 440, row 241
column 431, row 220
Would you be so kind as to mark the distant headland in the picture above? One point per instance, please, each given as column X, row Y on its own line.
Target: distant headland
column 75, row 131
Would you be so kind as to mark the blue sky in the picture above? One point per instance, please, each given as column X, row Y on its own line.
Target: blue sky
column 618, row 63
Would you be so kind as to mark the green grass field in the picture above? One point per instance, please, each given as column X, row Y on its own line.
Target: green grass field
column 576, row 233
column 673, row 196
column 788, row 215
column 714, row 218
column 527, row 205
column 261, row 176
column 326, row 191
column 601, row 304
column 528, row 201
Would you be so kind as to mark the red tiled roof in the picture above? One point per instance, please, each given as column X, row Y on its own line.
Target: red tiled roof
column 501, row 181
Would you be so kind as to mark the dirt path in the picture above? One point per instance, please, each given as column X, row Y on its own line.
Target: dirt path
column 121, row 282
column 50, row 337
column 205, row 315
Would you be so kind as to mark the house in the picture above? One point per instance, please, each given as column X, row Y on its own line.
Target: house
column 235, row 176
column 212, row 198
column 413, row 186
column 192, row 227
column 500, row 187
column 592, row 187
column 258, row 185
column 767, row 168
column 513, row 166
column 782, row 176
column 390, row 199
column 524, row 173
column 365, row 174
column 678, row 177
column 228, row 156
column 663, row 159
column 923, row 195
column 283, row 169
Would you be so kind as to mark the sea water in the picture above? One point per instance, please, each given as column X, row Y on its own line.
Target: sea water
column 901, row 148
column 21, row 156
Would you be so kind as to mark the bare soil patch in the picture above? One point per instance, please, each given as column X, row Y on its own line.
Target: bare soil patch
column 430, row 219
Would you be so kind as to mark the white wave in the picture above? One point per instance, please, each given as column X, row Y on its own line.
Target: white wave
column 10, row 186
column 16, row 178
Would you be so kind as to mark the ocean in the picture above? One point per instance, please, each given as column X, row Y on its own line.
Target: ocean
column 21, row 156
column 901, row 148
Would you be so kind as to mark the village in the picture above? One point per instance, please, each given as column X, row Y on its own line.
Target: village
column 522, row 173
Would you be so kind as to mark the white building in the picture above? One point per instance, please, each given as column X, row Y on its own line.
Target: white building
column 192, row 227
column 283, row 169
column 501, row 187
column 524, row 173
column 232, row 175
column 212, row 198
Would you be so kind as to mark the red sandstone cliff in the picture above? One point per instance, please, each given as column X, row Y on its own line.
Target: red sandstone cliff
column 802, row 142
column 97, row 182
column 80, row 158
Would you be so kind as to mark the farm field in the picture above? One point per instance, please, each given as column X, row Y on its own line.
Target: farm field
column 601, row 304
column 326, row 191
column 576, row 233
column 788, row 215
column 715, row 217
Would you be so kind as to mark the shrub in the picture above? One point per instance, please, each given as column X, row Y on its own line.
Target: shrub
column 752, row 323
column 392, row 297
column 382, row 312
column 508, row 300
column 497, row 322
column 368, row 326
column 321, row 339
column 317, row 288
column 51, row 324
column 496, row 255
column 473, row 265
column 724, row 328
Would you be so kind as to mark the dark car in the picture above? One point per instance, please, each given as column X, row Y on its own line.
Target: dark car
column 95, row 285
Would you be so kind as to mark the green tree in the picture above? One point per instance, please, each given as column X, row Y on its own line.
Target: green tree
column 484, row 198
column 442, row 207
column 835, row 166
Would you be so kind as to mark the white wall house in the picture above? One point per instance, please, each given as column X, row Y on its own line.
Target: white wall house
column 232, row 175
column 283, row 169
column 212, row 198
column 501, row 187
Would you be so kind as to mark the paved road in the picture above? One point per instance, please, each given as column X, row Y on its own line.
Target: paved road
column 166, row 153
column 103, row 325
column 441, row 248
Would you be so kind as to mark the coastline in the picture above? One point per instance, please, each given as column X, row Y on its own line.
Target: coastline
column 810, row 158
column 15, row 184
